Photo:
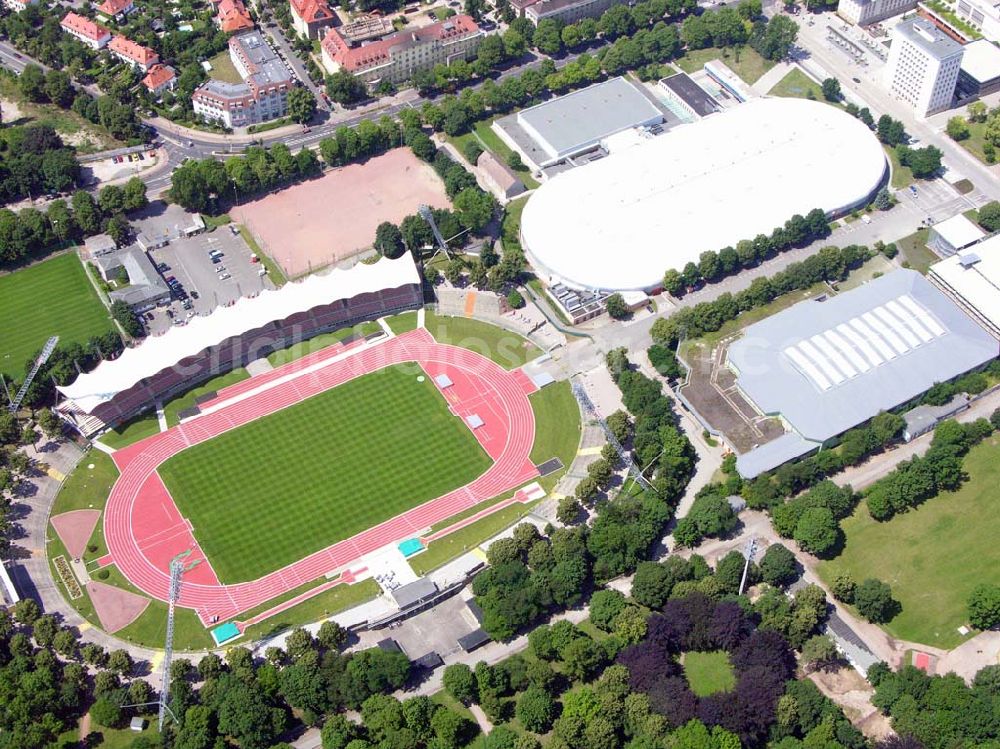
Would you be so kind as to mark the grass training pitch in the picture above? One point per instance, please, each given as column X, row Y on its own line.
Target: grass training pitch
column 271, row 492
column 708, row 673
column 933, row 555
column 50, row 298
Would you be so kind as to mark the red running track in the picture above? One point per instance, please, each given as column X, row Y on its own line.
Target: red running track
column 144, row 529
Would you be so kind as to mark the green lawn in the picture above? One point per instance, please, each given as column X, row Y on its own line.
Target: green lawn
column 483, row 133
column 557, row 424
column 901, row 175
column 223, row 68
column 507, row 349
column 932, row 556
column 708, row 673
column 86, row 487
column 50, row 298
column 798, row 85
column 171, row 409
column 402, row 323
column 133, row 430
column 915, row 251
column 326, row 604
column 745, row 62
column 336, row 464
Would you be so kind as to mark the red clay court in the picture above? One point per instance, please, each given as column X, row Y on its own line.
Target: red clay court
column 324, row 220
column 144, row 530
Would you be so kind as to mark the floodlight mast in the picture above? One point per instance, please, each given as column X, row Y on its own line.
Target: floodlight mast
column 47, row 349
column 177, row 568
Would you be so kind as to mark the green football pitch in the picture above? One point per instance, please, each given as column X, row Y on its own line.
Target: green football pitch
column 50, row 298
column 293, row 482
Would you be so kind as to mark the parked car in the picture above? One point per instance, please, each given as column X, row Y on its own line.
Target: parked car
column 225, row 276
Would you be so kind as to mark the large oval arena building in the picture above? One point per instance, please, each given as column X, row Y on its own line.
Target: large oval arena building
column 618, row 223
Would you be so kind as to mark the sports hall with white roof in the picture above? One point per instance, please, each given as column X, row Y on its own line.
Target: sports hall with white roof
column 619, row 222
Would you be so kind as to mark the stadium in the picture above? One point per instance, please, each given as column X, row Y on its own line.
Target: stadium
column 619, row 222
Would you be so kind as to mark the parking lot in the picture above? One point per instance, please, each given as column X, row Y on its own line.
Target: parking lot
column 207, row 282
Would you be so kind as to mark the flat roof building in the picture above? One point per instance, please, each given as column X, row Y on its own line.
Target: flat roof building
column 972, row 278
column 619, row 222
column 954, row 234
column 146, row 287
column 825, row 366
column 979, row 73
column 548, row 133
column 691, row 97
column 923, row 66
column 865, row 12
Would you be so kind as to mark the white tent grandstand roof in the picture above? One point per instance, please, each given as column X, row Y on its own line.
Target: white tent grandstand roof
column 158, row 353
column 620, row 222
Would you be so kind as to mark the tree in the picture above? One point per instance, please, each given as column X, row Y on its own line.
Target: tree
column 105, row 712
column 460, row 683
column 883, row 200
column 831, row 89
column 120, row 662
column 301, row 104
column 873, row 600
column 984, row 606
column 989, row 216
column 331, row 635
column 673, row 284
column 124, row 316
column 344, row 88
column 958, row 128
column 816, row 531
column 389, row 240
column 605, row 606
column 514, row 161
column 536, row 710
column 819, row 652
column 890, row 131
column 548, row 37
column 843, row 588
column 514, row 299
column 134, row 195
column 568, row 510
column 923, row 162
column 778, row 566
column 475, row 208
column 32, row 83
column 616, row 306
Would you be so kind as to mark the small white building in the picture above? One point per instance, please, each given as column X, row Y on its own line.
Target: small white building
column 957, row 233
column 16, row 6
column 923, row 66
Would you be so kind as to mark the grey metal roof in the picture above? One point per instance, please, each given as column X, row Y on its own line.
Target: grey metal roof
column 881, row 345
column 772, row 454
column 267, row 68
column 145, row 283
column 691, row 94
column 412, row 593
column 581, row 119
column 928, row 37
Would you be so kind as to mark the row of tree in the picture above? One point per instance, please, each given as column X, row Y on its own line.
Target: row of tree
column 712, row 266
column 32, row 233
column 33, row 161
column 915, row 481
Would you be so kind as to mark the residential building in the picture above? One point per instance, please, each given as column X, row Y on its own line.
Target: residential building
column 116, row 10
column 310, row 18
column 263, row 94
column 566, row 11
column 923, row 66
column 865, row 12
column 17, row 6
column 519, row 6
column 135, row 54
column 498, row 178
column 979, row 74
column 398, row 56
column 146, row 287
column 233, row 17
column 160, row 78
column 88, row 32
column 365, row 28
column 983, row 14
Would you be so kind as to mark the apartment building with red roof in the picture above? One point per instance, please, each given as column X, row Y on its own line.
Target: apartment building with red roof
column 398, row 56
column 160, row 78
column 133, row 53
column 310, row 18
column 232, row 16
column 116, row 9
column 92, row 34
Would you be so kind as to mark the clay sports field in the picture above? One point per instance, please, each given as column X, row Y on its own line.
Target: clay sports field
column 321, row 221
column 361, row 437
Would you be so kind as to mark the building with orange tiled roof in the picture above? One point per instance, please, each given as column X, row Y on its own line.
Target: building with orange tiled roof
column 233, row 16
column 160, row 78
column 311, row 17
column 133, row 53
column 92, row 34
column 116, row 9
column 398, row 56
